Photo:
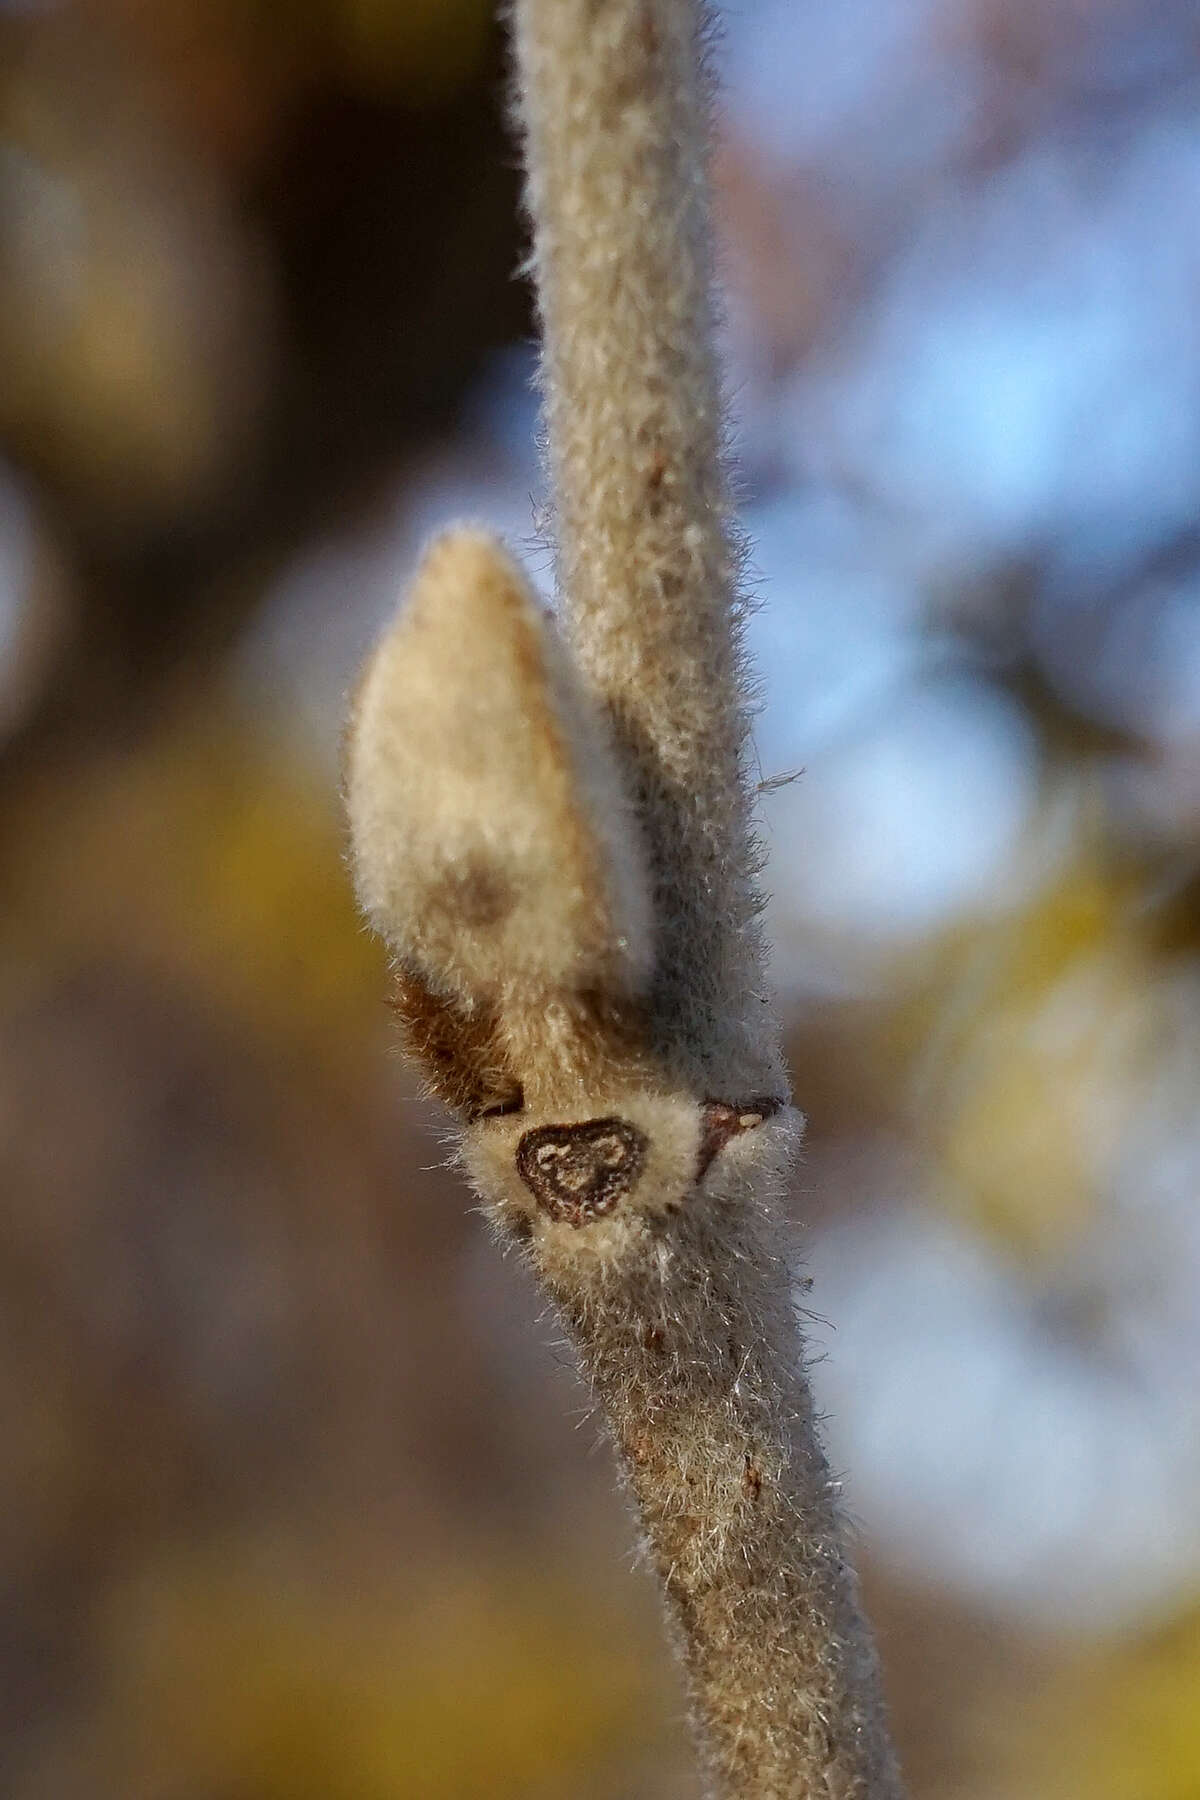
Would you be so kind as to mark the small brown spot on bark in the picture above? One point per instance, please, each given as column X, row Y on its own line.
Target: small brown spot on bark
column 655, row 478
column 639, row 1447
column 579, row 1172
column 651, row 42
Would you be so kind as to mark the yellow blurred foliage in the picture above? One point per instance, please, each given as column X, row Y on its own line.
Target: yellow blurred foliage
column 1123, row 1725
column 210, row 853
column 135, row 308
column 226, row 1680
column 423, row 48
column 1033, row 1041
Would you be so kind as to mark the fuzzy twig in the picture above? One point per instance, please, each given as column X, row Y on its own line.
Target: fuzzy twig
column 556, row 841
column 614, row 107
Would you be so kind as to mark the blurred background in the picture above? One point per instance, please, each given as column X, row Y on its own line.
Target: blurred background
column 300, row 1497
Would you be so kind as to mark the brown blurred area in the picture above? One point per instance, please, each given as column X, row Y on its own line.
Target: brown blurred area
column 298, row 1493
column 294, row 1502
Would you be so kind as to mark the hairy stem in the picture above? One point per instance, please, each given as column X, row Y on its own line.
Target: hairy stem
column 614, row 104
column 696, row 1360
column 688, row 1337
column 556, row 841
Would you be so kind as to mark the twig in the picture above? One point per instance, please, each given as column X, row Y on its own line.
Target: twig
column 557, row 843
